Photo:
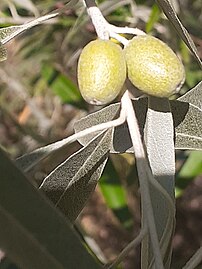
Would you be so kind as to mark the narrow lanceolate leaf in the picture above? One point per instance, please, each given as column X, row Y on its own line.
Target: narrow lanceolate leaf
column 173, row 18
column 70, row 185
column 188, row 125
column 194, row 96
column 121, row 139
column 8, row 33
column 159, row 134
column 187, row 122
column 30, row 160
column 106, row 114
column 33, row 234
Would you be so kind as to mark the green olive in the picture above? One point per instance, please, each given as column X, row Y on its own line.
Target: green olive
column 153, row 67
column 101, row 71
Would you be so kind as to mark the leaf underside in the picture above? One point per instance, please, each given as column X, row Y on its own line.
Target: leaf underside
column 70, row 185
column 187, row 122
column 187, row 117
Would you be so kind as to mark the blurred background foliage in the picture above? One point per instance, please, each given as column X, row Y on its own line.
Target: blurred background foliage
column 40, row 101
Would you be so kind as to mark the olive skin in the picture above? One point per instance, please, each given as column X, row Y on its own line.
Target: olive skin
column 153, row 67
column 101, row 71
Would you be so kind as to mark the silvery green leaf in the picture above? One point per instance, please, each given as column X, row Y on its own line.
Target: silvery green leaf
column 173, row 18
column 194, row 96
column 121, row 140
column 32, row 232
column 28, row 161
column 8, row 33
column 188, row 125
column 187, row 122
column 70, row 185
column 158, row 134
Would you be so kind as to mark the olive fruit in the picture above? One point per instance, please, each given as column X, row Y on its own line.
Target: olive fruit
column 153, row 67
column 101, row 71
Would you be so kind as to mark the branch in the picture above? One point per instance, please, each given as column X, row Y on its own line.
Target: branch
column 106, row 30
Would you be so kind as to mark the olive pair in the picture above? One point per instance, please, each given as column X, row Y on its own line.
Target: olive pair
column 151, row 66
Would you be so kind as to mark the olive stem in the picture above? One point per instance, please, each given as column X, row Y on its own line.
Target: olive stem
column 119, row 38
column 144, row 170
column 125, row 30
column 99, row 22
column 104, row 29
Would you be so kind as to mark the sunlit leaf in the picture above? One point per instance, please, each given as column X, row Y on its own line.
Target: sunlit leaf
column 158, row 134
column 189, row 131
column 30, row 160
column 32, row 232
column 121, row 141
column 8, row 33
column 194, row 96
column 104, row 115
column 173, row 18
column 187, row 120
column 70, row 185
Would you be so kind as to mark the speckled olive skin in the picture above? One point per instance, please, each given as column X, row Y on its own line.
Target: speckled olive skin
column 153, row 67
column 101, row 71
